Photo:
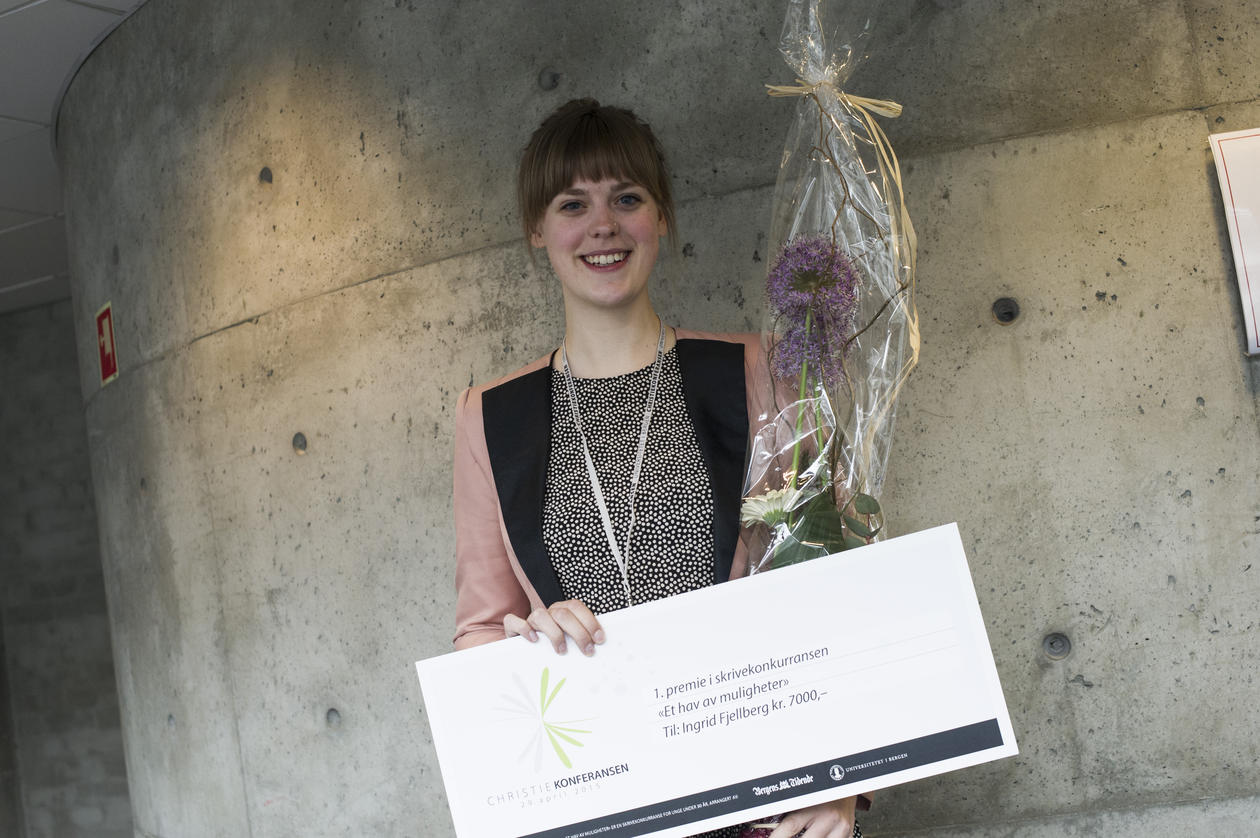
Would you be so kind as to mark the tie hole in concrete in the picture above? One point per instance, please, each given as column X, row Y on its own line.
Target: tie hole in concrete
column 1005, row 310
column 1056, row 646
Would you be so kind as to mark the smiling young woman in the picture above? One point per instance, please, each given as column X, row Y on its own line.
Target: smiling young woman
column 602, row 238
column 609, row 472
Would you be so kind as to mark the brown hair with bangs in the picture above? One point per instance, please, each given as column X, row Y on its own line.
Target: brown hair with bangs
column 584, row 140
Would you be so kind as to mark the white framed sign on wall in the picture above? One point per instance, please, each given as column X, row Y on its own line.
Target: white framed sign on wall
column 1237, row 155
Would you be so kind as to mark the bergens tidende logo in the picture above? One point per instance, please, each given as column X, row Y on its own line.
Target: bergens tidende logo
column 537, row 711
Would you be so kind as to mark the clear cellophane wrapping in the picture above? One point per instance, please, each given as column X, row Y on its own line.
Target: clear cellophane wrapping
column 825, row 435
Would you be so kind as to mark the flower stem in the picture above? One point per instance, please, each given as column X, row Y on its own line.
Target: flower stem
column 800, row 413
column 818, row 425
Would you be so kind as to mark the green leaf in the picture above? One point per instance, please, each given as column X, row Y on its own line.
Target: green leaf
column 819, row 529
column 857, row 527
column 559, row 751
column 852, row 542
column 542, row 691
column 820, row 523
column 554, row 693
column 865, row 504
column 552, row 729
column 791, row 551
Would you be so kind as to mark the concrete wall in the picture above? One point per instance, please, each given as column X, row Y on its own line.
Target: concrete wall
column 11, row 821
column 307, row 227
column 61, row 753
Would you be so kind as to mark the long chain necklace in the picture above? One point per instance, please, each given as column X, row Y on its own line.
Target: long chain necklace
column 620, row 556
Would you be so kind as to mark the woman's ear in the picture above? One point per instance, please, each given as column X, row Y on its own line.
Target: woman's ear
column 536, row 239
column 662, row 227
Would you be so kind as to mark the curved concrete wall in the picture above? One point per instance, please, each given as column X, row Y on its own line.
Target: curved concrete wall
column 302, row 216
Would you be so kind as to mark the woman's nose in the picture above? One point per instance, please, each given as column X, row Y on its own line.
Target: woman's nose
column 603, row 223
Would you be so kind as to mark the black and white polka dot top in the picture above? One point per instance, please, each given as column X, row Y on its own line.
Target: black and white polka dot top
column 672, row 547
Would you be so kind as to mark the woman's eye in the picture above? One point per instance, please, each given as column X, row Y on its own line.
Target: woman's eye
column 570, row 206
column 629, row 200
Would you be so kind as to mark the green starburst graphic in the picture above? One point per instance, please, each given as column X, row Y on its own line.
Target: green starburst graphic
column 534, row 707
column 556, row 731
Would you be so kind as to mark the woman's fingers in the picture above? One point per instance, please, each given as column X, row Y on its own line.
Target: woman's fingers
column 579, row 623
column 568, row 619
column 514, row 625
column 826, row 820
column 789, row 826
column 541, row 619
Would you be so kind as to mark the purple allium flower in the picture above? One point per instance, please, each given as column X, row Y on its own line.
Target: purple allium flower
column 812, row 291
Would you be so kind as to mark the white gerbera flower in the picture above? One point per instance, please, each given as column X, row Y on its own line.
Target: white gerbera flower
column 770, row 508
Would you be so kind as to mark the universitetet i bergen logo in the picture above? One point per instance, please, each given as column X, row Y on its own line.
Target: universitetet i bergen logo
column 534, row 711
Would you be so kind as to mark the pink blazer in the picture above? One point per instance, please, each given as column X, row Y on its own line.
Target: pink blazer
column 502, row 434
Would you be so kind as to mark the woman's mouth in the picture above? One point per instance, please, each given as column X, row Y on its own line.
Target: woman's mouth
column 603, row 260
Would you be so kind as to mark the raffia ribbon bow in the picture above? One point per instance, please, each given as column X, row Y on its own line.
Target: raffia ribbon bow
column 882, row 107
column 864, row 107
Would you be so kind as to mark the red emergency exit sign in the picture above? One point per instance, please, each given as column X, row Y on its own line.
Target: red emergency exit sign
column 105, row 342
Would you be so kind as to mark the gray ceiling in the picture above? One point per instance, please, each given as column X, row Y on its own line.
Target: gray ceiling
column 42, row 45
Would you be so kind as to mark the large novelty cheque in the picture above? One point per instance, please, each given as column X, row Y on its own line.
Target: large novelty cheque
column 821, row 680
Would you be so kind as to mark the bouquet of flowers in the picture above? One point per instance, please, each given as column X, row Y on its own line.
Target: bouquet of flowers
column 842, row 331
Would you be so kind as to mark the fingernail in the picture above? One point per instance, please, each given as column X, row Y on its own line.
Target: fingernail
column 589, row 650
column 560, row 650
column 532, row 636
column 599, row 636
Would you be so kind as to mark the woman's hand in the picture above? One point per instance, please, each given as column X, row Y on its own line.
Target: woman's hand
column 826, row 820
column 571, row 618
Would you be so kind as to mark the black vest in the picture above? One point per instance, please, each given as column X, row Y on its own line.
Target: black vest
column 517, row 418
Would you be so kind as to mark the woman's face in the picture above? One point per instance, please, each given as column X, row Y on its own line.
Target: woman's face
column 602, row 238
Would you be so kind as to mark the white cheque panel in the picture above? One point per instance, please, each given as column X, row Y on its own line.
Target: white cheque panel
column 821, row 680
